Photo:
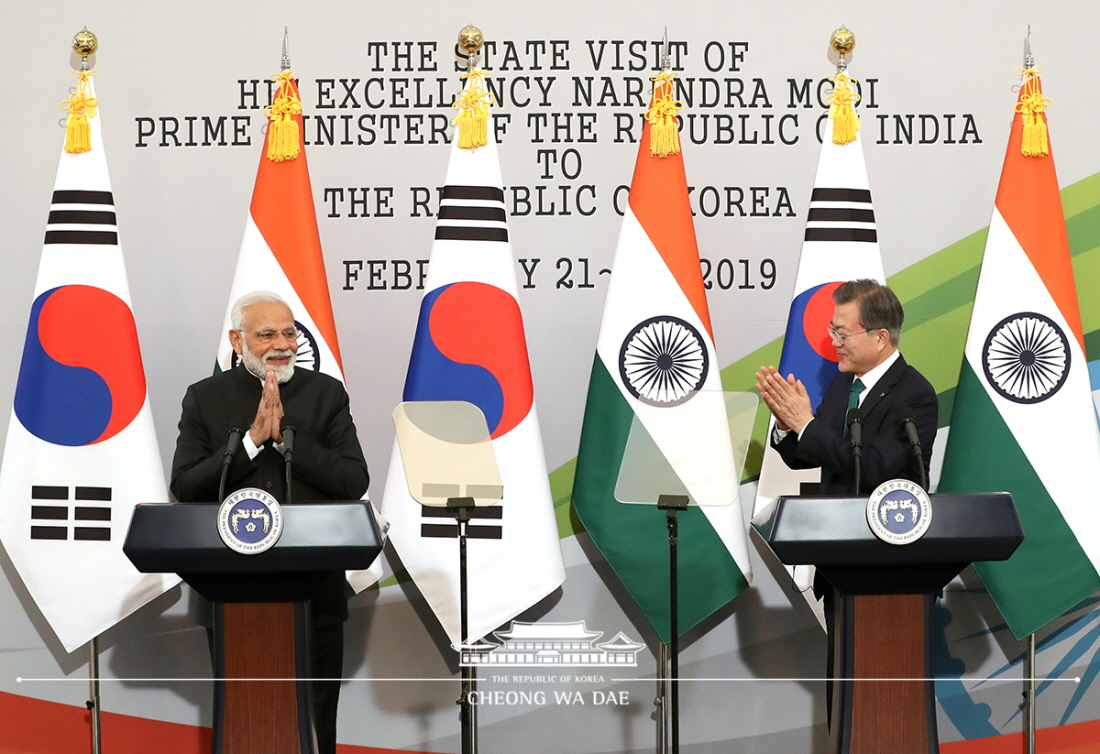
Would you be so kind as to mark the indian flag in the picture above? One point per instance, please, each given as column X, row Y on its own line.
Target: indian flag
column 655, row 350
column 1023, row 417
column 281, row 252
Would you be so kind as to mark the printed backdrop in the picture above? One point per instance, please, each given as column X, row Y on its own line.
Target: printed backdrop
column 182, row 89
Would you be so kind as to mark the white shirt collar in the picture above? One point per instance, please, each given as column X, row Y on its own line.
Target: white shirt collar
column 874, row 375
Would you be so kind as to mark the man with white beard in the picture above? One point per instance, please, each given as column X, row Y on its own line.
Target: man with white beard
column 328, row 464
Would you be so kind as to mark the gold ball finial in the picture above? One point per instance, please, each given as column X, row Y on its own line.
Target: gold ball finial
column 85, row 43
column 470, row 39
column 843, row 40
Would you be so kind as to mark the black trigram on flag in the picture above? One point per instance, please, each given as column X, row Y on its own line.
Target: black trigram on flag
column 82, row 217
column 841, row 214
column 430, row 527
column 472, row 213
column 51, row 520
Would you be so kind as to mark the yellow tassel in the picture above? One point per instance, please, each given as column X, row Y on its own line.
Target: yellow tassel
column 283, row 138
column 842, row 110
column 664, row 132
column 1032, row 105
column 473, row 112
column 81, row 106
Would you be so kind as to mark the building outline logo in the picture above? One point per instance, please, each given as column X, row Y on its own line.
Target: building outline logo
column 566, row 644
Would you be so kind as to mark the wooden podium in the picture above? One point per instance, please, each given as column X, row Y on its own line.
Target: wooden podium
column 261, row 625
column 882, row 619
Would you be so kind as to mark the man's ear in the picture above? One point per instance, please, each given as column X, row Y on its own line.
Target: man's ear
column 236, row 341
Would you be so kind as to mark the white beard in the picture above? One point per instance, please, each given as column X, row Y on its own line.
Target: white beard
column 258, row 364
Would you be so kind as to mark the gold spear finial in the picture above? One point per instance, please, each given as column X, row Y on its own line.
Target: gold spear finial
column 844, row 97
column 470, row 39
column 85, row 44
column 843, row 41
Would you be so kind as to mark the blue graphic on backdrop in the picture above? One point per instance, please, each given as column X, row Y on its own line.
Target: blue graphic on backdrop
column 1075, row 643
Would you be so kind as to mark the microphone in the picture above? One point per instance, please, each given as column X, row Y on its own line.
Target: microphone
column 909, row 425
column 855, row 431
column 287, row 429
column 236, row 435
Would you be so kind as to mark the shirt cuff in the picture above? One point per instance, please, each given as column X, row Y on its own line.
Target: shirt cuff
column 803, row 430
column 249, row 446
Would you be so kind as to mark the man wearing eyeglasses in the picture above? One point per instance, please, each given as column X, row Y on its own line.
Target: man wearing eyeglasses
column 874, row 376
column 328, row 462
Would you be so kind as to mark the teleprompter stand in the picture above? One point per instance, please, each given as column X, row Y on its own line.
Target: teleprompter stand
column 260, row 621
column 687, row 452
column 451, row 470
column 883, row 697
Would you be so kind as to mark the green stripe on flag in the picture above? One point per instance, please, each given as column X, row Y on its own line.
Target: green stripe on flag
column 634, row 538
column 1049, row 573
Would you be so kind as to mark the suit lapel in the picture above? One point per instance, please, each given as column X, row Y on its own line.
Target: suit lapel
column 884, row 385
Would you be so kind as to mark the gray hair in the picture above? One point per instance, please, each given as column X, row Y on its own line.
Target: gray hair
column 236, row 315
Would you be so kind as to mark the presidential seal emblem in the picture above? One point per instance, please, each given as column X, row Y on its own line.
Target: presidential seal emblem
column 250, row 521
column 899, row 512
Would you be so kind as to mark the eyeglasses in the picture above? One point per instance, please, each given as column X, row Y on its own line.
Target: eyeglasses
column 268, row 335
column 840, row 338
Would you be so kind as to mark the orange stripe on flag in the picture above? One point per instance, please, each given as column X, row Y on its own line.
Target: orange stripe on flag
column 659, row 198
column 1031, row 206
column 282, row 208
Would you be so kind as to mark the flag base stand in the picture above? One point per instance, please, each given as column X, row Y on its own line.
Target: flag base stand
column 93, row 695
column 668, row 699
column 460, row 507
column 1030, row 693
column 660, row 702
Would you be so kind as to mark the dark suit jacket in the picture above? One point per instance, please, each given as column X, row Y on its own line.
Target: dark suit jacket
column 328, row 463
column 886, row 451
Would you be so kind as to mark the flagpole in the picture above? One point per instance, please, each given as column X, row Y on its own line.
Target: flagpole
column 85, row 43
column 1029, row 695
column 93, row 692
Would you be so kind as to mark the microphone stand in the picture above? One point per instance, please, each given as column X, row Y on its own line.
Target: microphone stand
column 236, row 435
column 909, row 424
column 288, row 431
column 855, row 431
